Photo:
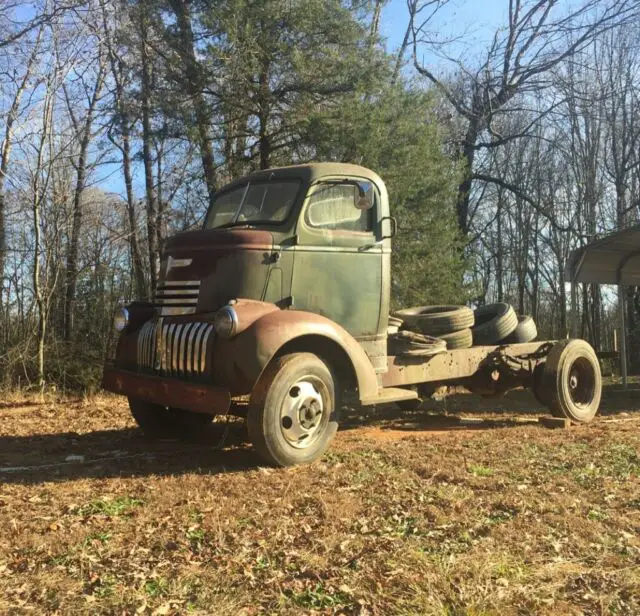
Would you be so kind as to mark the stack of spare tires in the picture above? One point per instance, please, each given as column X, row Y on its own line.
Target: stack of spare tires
column 461, row 327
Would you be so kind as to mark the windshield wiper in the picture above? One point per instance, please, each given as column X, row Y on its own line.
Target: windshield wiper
column 239, row 223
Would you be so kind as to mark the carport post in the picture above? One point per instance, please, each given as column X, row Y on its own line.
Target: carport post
column 573, row 325
column 623, row 336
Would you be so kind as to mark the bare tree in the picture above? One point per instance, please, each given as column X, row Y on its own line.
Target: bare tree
column 46, row 11
column 21, row 81
column 121, row 128
column 40, row 176
column 89, row 88
column 537, row 37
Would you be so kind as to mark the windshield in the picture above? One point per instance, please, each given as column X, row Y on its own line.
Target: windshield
column 255, row 202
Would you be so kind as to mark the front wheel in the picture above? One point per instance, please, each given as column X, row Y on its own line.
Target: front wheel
column 572, row 381
column 292, row 413
column 159, row 421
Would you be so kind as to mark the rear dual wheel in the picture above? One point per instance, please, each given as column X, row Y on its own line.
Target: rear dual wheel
column 292, row 415
column 571, row 384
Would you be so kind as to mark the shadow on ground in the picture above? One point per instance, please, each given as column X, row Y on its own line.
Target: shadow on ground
column 464, row 411
column 125, row 452
column 122, row 453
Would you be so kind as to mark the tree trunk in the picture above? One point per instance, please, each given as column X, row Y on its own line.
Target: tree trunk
column 71, row 271
column 5, row 154
column 159, row 196
column 375, row 21
column 194, row 88
column 563, row 308
column 464, row 188
column 499, row 251
column 36, row 204
column 147, row 138
column 81, row 176
column 134, row 246
column 124, row 123
column 263, row 114
column 413, row 7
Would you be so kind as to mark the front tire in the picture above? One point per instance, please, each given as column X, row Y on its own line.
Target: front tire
column 292, row 413
column 159, row 421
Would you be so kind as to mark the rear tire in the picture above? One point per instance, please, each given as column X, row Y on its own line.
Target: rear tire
column 538, row 387
column 572, row 378
column 159, row 421
column 292, row 415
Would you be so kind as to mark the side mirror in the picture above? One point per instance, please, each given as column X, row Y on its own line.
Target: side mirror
column 392, row 226
column 364, row 198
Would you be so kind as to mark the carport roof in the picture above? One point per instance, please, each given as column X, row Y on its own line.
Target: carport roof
column 613, row 259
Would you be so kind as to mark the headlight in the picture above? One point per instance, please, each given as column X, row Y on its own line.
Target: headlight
column 121, row 319
column 225, row 322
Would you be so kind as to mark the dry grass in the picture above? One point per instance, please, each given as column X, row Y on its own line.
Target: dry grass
column 408, row 514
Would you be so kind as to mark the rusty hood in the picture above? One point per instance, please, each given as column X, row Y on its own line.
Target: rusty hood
column 202, row 270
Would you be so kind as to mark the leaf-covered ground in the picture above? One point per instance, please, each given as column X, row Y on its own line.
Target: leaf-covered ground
column 407, row 514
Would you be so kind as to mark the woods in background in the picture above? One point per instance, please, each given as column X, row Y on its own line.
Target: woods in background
column 119, row 120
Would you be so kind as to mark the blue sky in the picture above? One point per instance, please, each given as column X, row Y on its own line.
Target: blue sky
column 478, row 19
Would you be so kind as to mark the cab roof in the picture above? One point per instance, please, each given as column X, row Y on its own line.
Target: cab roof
column 310, row 172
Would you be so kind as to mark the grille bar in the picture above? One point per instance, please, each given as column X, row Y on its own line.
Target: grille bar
column 174, row 349
column 174, row 297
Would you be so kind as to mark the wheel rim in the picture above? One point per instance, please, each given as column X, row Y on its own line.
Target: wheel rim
column 582, row 382
column 303, row 413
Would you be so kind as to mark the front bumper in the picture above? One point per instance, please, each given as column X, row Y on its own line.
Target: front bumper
column 167, row 391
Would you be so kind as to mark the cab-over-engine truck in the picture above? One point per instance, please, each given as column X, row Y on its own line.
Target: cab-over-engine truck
column 282, row 299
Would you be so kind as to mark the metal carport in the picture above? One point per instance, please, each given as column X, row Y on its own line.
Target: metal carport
column 613, row 259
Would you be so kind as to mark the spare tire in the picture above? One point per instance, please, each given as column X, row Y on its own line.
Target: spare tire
column 458, row 340
column 415, row 344
column 393, row 326
column 494, row 322
column 436, row 320
column 525, row 331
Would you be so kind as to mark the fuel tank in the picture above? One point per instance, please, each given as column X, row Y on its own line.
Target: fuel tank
column 202, row 270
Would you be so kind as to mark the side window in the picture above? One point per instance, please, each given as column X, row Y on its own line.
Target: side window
column 334, row 206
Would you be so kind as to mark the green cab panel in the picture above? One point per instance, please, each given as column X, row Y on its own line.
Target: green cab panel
column 337, row 269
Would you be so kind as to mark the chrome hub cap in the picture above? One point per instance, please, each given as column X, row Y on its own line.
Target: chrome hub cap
column 301, row 414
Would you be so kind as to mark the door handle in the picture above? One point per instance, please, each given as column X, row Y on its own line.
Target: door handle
column 369, row 246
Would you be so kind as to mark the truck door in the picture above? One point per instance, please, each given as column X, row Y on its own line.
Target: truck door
column 337, row 269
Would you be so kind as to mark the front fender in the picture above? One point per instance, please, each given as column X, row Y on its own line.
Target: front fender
column 241, row 360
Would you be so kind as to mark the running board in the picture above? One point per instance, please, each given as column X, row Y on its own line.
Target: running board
column 390, row 394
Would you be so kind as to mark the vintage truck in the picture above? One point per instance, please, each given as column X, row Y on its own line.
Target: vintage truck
column 281, row 300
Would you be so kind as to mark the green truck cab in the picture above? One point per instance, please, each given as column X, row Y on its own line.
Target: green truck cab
column 282, row 299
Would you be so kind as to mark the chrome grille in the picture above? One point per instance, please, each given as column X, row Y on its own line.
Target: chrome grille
column 175, row 349
column 174, row 297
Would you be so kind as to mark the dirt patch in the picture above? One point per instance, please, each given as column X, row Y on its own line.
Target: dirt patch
column 408, row 513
